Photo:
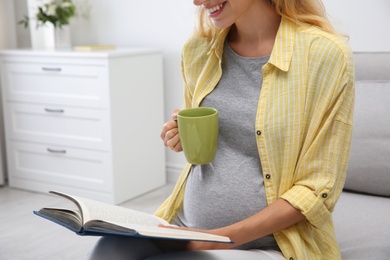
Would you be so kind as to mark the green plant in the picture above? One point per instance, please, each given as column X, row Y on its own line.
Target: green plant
column 56, row 12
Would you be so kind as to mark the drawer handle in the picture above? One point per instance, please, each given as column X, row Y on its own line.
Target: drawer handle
column 56, row 151
column 51, row 110
column 51, row 69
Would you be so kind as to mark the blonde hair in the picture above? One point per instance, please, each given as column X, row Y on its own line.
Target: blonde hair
column 301, row 12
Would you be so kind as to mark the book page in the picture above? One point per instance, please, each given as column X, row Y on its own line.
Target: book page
column 111, row 213
column 99, row 216
column 153, row 231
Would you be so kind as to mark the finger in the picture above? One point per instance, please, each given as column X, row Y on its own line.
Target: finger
column 174, row 114
column 168, row 126
column 172, row 138
column 164, row 131
column 169, row 226
column 177, row 227
column 178, row 147
column 171, row 134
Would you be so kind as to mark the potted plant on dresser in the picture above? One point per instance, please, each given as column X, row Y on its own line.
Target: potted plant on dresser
column 51, row 20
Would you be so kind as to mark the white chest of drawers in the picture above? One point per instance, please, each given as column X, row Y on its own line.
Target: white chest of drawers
column 84, row 123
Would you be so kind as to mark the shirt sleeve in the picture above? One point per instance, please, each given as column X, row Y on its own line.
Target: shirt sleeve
column 320, row 172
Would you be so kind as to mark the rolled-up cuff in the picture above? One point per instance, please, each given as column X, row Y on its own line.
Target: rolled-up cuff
column 310, row 204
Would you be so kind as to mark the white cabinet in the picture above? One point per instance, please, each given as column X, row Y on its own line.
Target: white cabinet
column 85, row 123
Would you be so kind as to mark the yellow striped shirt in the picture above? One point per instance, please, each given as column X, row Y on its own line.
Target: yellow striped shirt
column 304, row 115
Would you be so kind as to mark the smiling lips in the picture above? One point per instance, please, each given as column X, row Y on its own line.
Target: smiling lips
column 214, row 9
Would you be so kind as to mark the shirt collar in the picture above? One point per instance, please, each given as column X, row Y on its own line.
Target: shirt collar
column 218, row 43
column 283, row 48
column 282, row 51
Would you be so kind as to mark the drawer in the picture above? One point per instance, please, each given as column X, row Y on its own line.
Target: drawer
column 61, row 125
column 65, row 84
column 66, row 166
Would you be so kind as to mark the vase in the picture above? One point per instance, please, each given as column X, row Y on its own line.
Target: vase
column 42, row 37
column 62, row 38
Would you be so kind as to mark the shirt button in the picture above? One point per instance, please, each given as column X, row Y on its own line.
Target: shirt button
column 268, row 176
column 325, row 195
column 258, row 132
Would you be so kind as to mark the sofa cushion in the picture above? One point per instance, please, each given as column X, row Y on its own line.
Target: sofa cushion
column 362, row 226
column 372, row 66
column 369, row 164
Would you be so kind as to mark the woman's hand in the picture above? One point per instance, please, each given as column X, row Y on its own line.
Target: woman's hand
column 170, row 133
column 198, row 245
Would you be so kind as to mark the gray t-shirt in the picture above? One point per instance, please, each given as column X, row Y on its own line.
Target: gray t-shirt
column 230, row 188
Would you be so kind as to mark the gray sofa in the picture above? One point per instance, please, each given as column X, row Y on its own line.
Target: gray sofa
column 362, row 215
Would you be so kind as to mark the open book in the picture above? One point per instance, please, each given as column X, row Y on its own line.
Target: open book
column 94, row 218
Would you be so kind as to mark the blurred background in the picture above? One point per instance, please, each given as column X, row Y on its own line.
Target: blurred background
column 166, row 25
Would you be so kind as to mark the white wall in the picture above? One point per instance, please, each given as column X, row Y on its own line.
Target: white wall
column 7, row 24
column 367, row 22
column 166, row 25
column 154, row 23
column 7, row 40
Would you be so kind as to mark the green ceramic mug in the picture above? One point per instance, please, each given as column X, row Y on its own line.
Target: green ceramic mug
column 198, row 131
